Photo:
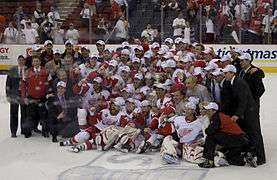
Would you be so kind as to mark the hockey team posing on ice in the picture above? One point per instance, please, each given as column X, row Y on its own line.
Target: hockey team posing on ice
column 176, row 98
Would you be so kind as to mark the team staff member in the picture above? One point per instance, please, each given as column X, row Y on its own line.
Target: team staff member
column 13, row 93
column 253, row 76
column 34, row 88
column 244, row 111
column 227, row 133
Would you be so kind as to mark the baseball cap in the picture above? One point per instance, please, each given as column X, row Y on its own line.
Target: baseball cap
column 194, row 100
column 160, row 86
column 57, row 51
column 211, row 66
column 155, row 45
column 98, row 80
column 125, row 68
column 125, row 44
column 211, row 105
column 197, row 71
column 100, row 42
column 245, row 56
column 136, row 60
column 125, row 52
column 94, row 55
column 230, row 68
column 169, row 40
column 217, row 72
column 138, row 76
column 145, row 103
column 190, row 105
column 68, row 42
column 48, row 42
column 226, row 58
column 35, row 47
column 119, row 101
column 62, row 84
column 138, row 47
column 178, row 40
column 113, row 63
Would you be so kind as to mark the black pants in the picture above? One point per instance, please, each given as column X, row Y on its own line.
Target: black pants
column 14, row 117
column 36, row 113
column 253, row 130
column 234, row 143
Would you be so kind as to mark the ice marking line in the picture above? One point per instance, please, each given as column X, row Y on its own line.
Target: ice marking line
column 100, row 155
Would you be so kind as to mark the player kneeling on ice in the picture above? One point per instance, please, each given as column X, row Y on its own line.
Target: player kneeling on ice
column 186, row 139
column 225, row 132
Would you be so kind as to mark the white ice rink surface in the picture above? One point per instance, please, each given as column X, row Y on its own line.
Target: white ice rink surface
column 38, row 158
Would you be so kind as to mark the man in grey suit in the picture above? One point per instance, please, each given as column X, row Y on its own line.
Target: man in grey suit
column 15, row 74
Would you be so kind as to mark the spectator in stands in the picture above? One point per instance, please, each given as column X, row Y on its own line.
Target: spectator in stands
column 121, row 30
column 57, row 34
column 274, row 31
column 72, row 34
column 45, row 31
column 39, row 14
column 102, row 29
column 34, row 23
column 53, row 16
column 173, row 5
column 86, row 14
column 25, row 20
column 18, row 16
column 116, row 10
column 31, row 35
column 21, row 39
column 2, row 26
column 267, row 29
column 255, row 28
column 179, row 24
column 149, row 33
column 10, row 34
column 210, row 32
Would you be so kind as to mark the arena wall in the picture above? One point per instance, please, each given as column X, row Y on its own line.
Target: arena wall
column 265, row 56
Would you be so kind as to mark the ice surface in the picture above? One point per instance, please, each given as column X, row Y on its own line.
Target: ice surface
column 39, row 159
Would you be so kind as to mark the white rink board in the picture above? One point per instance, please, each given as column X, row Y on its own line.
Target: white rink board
column 261, row 53
column 38, row 158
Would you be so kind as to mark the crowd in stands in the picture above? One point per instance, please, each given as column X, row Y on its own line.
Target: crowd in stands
column 230, row 21
column 175, row 97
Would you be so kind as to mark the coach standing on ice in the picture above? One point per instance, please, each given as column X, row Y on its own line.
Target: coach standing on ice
column 245, row 112
column 253, row 76
column 13, row 93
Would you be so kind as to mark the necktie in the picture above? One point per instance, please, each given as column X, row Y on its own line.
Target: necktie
column 242, row 73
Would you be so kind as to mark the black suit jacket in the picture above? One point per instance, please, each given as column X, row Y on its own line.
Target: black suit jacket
column 12, row 85
column 243, row 105
column 255, row 82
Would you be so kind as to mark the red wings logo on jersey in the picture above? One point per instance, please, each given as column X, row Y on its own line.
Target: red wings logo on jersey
column 183, row 132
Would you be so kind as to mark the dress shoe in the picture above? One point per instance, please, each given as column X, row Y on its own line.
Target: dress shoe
column 13, row 135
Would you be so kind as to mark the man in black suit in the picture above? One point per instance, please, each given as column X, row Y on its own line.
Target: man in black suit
column 15, row 74
column 245, row 111
column 253, row 77
column 61, row 113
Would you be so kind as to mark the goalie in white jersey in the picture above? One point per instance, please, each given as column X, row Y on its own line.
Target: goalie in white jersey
column 185, row 140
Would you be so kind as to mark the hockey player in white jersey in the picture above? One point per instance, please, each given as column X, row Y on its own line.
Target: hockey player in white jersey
column 186, row 140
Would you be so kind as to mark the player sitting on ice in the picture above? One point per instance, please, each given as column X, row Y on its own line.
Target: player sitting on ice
column 187, row 131
column 159, row 128
column 225, row 132
column 96, row 122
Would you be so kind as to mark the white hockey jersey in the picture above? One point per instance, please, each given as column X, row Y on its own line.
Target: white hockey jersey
column 187, row 132
column 107, row 119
